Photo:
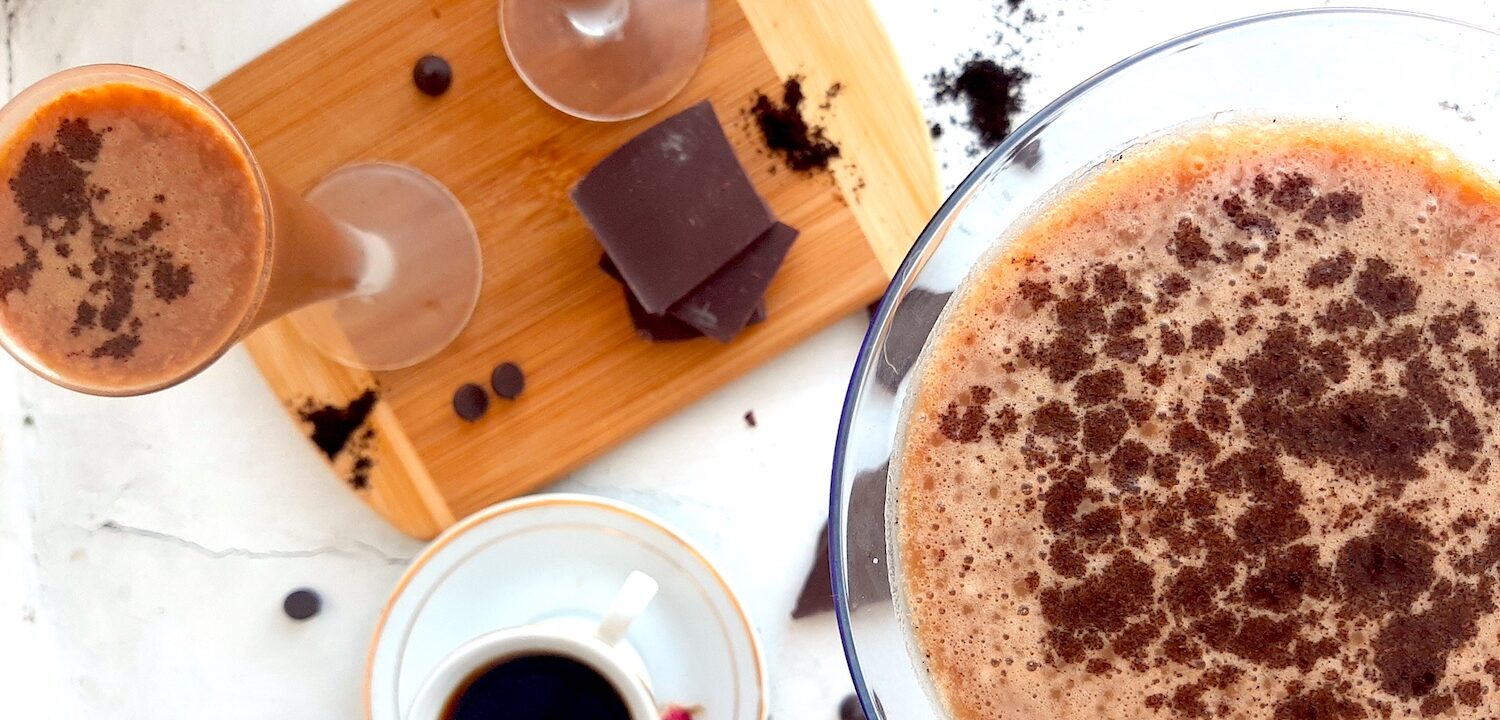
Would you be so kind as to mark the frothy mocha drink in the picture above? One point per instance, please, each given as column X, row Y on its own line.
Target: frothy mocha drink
column 132, row 236
column 1211, row 436
column 136, row 234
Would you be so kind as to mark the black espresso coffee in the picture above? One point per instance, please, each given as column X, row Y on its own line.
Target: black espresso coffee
column 536, row 687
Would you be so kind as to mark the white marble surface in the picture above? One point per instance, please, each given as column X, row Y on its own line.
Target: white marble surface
column 145, row 544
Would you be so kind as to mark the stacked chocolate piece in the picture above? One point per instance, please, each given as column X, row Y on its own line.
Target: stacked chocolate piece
column 684, row 231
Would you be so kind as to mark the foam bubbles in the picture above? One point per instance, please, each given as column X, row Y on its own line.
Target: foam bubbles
column 986, row 499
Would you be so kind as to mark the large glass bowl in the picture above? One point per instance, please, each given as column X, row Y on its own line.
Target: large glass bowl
column 1436, row 77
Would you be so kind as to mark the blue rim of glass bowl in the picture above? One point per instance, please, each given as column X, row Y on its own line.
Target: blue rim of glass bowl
column 916, row 258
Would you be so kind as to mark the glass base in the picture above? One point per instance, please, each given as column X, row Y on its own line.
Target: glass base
column 605, row 59
column 424, row 268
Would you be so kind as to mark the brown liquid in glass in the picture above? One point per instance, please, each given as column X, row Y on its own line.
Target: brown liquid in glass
column 132, row 237
column 1212, row 436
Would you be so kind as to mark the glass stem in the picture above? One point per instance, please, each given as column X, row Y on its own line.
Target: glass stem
column 380, row 261
column 316, row 258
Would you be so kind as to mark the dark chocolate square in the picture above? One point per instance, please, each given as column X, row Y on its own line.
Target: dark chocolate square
column 724, row 303
column 672, row 206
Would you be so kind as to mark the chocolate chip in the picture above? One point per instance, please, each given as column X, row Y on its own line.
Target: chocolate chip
column 508, row 381
column 750, row 418
column 432, row 75
column 470, row 402
column 301, row 604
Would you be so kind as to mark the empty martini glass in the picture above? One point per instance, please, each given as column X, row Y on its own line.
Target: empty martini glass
column 605, row 59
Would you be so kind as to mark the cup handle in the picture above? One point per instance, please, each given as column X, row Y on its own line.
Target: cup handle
column 629, row 602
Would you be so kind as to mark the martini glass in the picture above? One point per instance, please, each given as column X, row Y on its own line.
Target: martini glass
column 605, row 59
column 1322, row 64
column 378, row 265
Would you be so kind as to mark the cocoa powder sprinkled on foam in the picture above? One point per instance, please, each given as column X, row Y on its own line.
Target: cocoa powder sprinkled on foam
column 53, row 191
column 1250, row 466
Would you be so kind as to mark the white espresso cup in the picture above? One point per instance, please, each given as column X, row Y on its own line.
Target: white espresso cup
column 600, row 647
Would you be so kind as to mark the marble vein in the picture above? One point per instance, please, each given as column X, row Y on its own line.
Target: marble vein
column 357, row 549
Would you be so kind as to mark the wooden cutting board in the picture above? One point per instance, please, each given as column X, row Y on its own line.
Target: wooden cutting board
column 341, row 91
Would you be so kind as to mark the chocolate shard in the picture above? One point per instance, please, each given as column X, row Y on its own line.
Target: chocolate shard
column 723, row 304
column 657, row 328
column 817, row 590
column 661, row 328
column 672, row 207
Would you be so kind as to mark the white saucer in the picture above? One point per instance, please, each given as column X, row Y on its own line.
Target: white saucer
column 564, row 556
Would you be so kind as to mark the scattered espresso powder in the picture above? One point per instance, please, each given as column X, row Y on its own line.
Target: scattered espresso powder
column 1238, row 212
column 1294, row 193
column 345, row 431
column 990, row 92
column 1099, row 387
column 1388, row 294
column 334, row 425
column 1470, row 693
column 1055, row 419
column 803, row 147
column 359, row 472
column 169, row 281
column 963, row 425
